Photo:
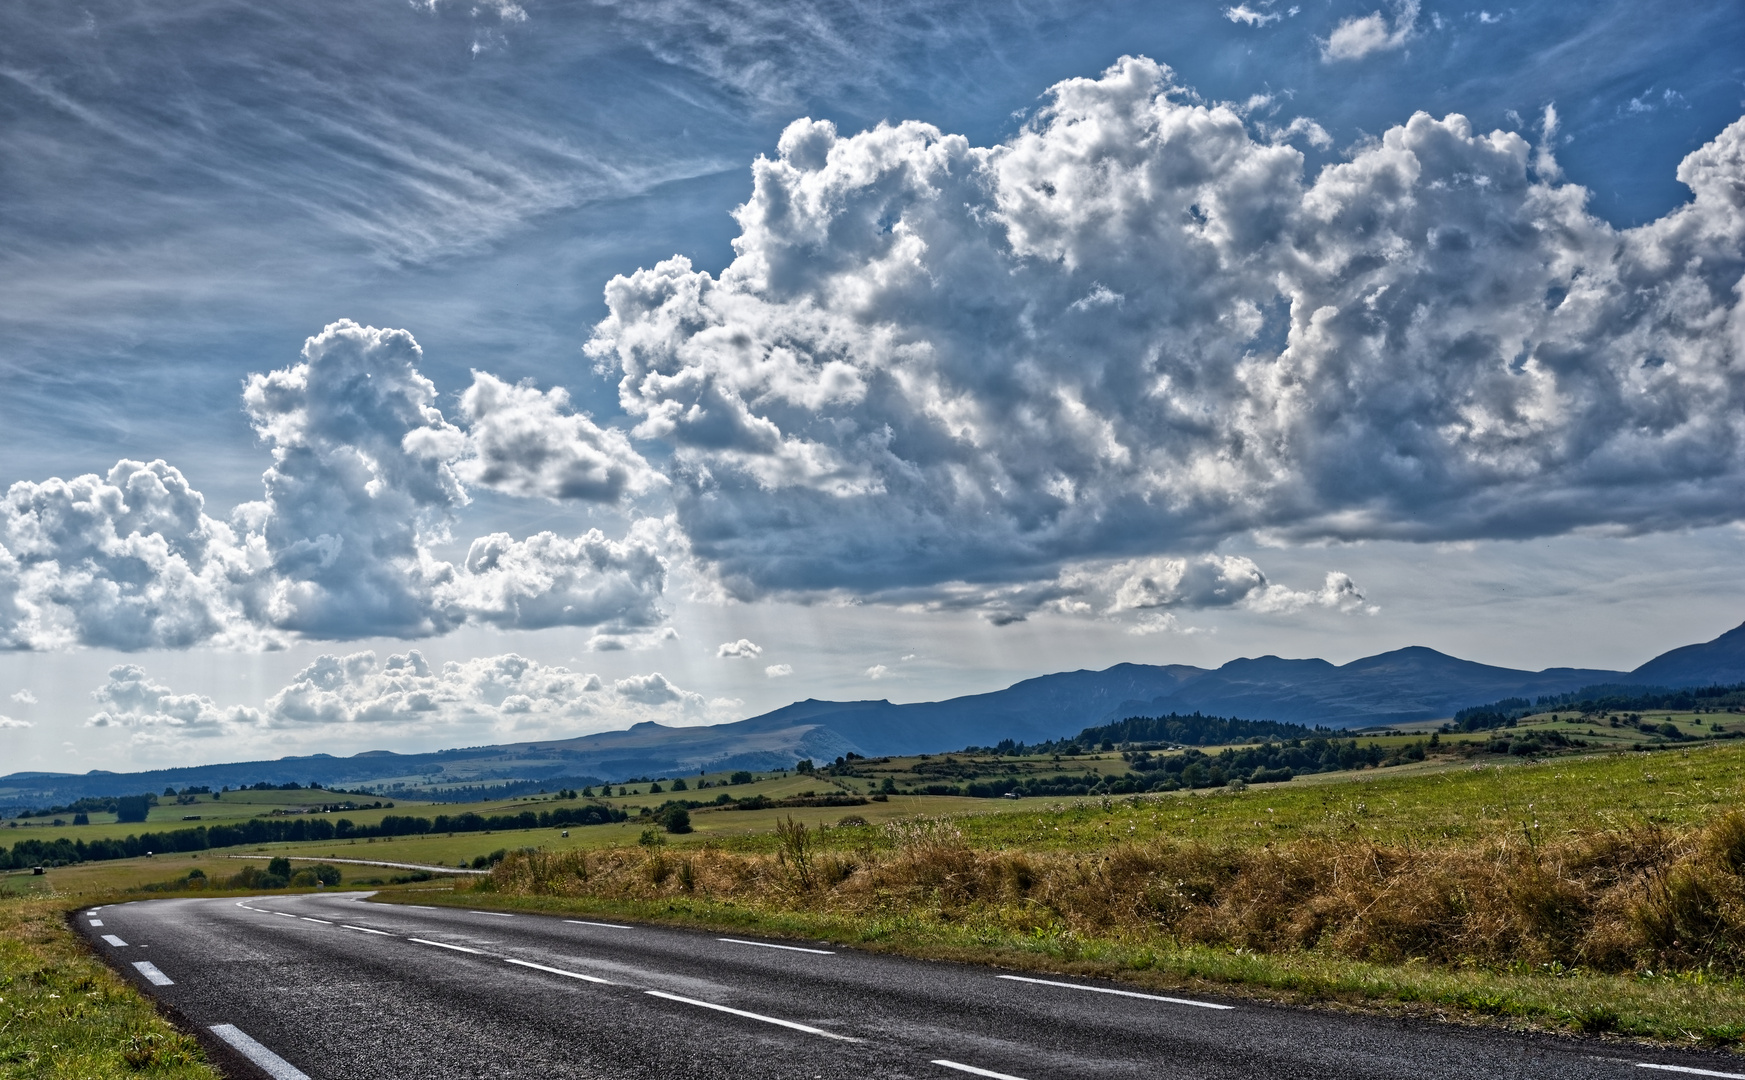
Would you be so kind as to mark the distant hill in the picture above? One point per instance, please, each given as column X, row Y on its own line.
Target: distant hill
column 1393, row 687
column 1713, row 663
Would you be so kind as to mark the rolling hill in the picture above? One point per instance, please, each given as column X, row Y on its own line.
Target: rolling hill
column 1394, row 687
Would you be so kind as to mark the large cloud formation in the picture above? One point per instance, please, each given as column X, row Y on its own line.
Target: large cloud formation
column 1136, row 329
column 365, row 481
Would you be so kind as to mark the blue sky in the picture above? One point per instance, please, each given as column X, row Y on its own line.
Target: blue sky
column 1021, row 356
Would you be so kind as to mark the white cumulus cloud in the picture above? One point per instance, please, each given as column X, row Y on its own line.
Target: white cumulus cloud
column 530, row 443
column 915, row 383
column 743, row 649
column 130, row 699
column 365, row 482
column 777, row 671
column 1358, row 36
column 24, row 697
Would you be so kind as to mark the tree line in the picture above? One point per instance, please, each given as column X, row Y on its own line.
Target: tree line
column 254, row 831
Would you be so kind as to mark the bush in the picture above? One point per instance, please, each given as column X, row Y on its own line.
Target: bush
column 741, row 777
column 675, row 819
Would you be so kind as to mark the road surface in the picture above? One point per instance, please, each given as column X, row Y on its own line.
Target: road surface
column 330, row 986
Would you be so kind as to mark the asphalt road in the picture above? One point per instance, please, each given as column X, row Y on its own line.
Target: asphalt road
column 330, row 986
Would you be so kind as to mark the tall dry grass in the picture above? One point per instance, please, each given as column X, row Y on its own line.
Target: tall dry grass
column 1642, row 898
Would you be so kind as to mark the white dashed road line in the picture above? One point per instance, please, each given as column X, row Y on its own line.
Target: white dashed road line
column 973, row 1071
column 96, row 922
column 607, row 925
column 499, row 914
column 323, row 922
column 1122, row 993
column 558, row 971
column 152, row 974
column 440, row 945
column 767, row 945
column 364, row 930
column 751, row 1015
column 1688, row 1070
column 115, row 941
column 272, row 1064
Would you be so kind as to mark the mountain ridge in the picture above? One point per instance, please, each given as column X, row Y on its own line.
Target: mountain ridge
column 1411, row 683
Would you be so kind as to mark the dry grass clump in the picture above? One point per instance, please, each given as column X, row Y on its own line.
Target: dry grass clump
column 1637, row 899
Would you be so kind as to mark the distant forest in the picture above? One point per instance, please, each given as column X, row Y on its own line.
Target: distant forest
column 1607, row 698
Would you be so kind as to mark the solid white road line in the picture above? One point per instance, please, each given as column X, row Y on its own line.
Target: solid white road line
column 499, row 914
column 557, row 971
column 607, row 925
column 96, row 922
column 152, row 974
column 440, row 945
column 751, row 1015
column 272, row 1064
column 1122, row 993
column 973, row 1071
column 113, row 940
column 364, row 930
column 767, row 945
column 1688, row 1069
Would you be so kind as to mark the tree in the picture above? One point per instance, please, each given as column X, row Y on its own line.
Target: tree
column 805, row 766
column 132, row 808
column 279, row 866
column 679, row 784
column 741, row 777
column 676, row 819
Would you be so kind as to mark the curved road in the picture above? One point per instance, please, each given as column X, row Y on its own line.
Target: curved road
column 328, row 986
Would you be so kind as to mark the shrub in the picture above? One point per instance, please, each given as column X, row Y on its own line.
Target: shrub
column 675, row 819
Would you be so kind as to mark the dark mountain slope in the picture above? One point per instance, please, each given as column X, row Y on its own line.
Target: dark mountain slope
column 1393, row 687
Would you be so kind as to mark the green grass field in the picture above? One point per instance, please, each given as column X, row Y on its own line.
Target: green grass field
column 1452, row 801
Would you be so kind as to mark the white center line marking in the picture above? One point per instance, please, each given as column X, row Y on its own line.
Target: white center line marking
column 286, row 914
column 558, row 971
column 418, row 907
column 96, row 922
column 768, row 945
column 973, row 1071
column 607, row 925
column 751, row 1015
column 364, row 930
column 113, row 940
column 272, row 1064
column 152, row 974
column 323, row 922
column 1122, row 993
column 1688, row 1069
column 499, row 914
column 440, row 945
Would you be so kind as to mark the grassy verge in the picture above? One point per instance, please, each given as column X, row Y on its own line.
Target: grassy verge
column 63, row 1014
column 1676, row 1008
column 1597, row 895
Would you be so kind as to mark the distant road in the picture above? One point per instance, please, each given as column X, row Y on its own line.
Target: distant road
column 437, row 869
column 329, row 986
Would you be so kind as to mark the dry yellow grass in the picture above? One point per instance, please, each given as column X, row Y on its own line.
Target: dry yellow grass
column 1640, row 930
